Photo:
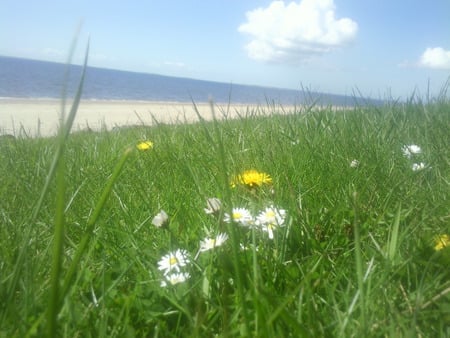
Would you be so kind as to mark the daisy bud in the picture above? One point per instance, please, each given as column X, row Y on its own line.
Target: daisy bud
column 161, row 219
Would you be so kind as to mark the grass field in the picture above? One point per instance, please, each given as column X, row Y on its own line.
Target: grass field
column 335, row 235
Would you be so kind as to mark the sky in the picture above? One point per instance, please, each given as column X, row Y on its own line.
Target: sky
column 376, row 48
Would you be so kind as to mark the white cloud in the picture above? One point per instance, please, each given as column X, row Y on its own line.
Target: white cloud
column 296, row 31
column 437, row 58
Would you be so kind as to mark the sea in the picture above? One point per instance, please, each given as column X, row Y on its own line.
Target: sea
column 26, row 78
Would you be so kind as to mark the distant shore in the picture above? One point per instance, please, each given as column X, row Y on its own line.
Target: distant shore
column 40, row 117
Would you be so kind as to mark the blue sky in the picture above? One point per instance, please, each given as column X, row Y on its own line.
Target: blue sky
column 378, row 47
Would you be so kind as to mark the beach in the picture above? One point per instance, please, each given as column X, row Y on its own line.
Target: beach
column 40, row 117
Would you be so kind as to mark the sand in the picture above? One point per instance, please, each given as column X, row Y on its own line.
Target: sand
column 40, row 117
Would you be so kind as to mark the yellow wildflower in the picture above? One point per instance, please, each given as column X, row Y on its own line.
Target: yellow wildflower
column 441, row 242
column 251, row 178
column 145, row 145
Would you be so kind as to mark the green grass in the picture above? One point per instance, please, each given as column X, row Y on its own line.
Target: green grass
column 355, row 258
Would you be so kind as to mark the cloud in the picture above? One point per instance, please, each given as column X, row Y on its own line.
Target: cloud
column 296, row 31
column 437, row 58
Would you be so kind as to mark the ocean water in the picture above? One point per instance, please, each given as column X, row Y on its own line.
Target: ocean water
column 24, row 78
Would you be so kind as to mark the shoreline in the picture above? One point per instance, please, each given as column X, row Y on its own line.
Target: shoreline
column 40, row 116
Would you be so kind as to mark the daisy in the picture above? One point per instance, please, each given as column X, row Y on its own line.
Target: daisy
column 145, row 145
column 418, row 166
column 175, row 278
column 251, row 178
column 160, row 219
column 211, row 243
column 241, row 216
column 441, row 242
column 272, row 215
column 354, row 164
column 173, row 261
column 270, row 219
column 213, row 206
column 410, row 150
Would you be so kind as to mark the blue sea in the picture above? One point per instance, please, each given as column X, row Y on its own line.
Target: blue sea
column 25, row 78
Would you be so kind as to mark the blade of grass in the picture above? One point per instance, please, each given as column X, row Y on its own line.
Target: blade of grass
column 58, row 166
column 63, row 134
column 227, row 195
column 359, row 261
column 92, row 222
column 393, row 237
column 58, row 248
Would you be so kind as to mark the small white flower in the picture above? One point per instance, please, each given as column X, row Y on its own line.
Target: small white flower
column 410, row 150
column 418, row 166
column 354, row 164
column 213, row 205
column 160, row 219
column 241, row 216
column 175, row 278
column 269, row 228
column 211, row 243
column 271, row 215
column 173, row 261
column 270, row 219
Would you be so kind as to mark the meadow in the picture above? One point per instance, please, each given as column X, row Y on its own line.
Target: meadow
column 317, row 223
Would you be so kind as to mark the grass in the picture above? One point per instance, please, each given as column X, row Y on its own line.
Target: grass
column 354, row 258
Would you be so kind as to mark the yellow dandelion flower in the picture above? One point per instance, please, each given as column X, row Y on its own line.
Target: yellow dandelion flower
column 145, row 145
column 251, row 178
column 441, row 242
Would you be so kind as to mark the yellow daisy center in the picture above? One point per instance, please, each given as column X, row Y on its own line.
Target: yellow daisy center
column 237, row 215
column 270, row 214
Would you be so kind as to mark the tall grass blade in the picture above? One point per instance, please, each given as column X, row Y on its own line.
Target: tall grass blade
column 58, row 249
column 359, row 259
column 64, row 131
column 393, row 236
column 81, row 248
column 58, row 239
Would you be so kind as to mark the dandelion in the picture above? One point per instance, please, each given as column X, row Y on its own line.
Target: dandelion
column 211, row 243
column 175, row 278
column 354, row 164
column 270, row 219
column 160, row 219
column 145, row 145
column 241, row 216
column 173, row 261
column 441, row 242
column 213, row 206
column 251, row 178
column 410, row 150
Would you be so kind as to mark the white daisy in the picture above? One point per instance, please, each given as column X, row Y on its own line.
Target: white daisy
column 271, row 215
column 418, row 166
column 354, row 164
column 410, row 150
column 241, row 216
column 270, row 219
column 160, row 219
column 211, row 243
column 173, row 261
column 175, row 278
column 213, row 205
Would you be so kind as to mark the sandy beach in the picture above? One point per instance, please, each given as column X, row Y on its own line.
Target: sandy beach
column 40, row 117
